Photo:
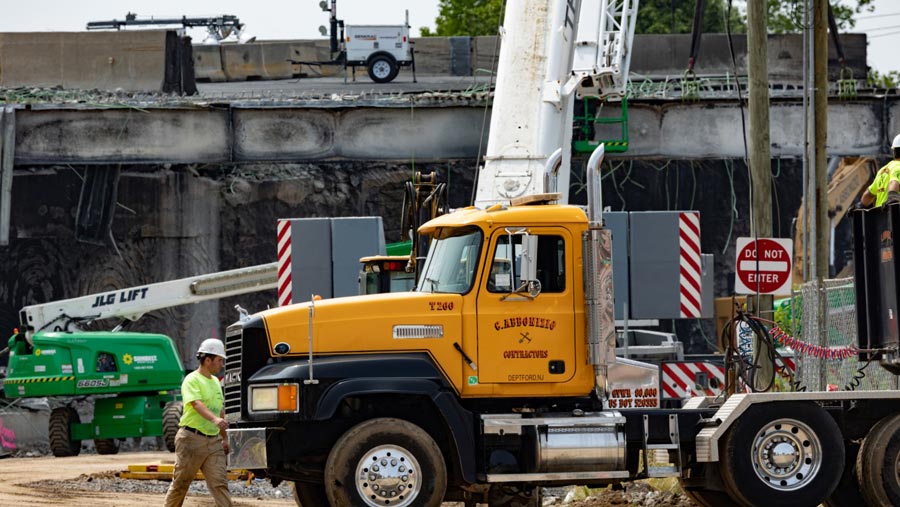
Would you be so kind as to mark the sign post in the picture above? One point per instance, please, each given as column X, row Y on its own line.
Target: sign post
column 763, row 266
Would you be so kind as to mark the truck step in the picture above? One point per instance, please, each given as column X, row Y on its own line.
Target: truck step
column 558, row 476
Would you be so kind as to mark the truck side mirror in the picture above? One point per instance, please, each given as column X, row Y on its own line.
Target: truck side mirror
column 524, row 265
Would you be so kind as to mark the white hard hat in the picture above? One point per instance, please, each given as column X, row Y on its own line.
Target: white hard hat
column 896, row 143
column 212, row 346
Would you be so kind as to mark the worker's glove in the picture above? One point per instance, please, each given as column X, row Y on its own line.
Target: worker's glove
column 892, row 198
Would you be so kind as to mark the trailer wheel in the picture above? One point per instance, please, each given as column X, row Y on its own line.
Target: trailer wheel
column 783, row 455
column 385, row 462
column 106, row 445
column 61, row 421
column 383, row 68
column 307, row 494
column 171, row 418
column 878, row 463
column 847, row 491
column 513, row 496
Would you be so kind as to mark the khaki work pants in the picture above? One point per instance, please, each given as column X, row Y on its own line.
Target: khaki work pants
column 197, row 452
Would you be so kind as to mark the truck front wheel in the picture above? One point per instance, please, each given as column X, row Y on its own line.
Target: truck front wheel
column 386, row 462
column 783, row 455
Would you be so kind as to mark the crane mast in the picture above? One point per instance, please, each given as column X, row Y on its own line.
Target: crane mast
column 552, row 52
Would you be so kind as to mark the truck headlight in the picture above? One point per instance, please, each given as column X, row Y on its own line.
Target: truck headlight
column 274, row 398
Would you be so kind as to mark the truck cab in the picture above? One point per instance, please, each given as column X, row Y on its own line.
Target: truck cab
column 494, row 334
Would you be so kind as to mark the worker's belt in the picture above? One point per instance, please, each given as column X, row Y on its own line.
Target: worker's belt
column 195, row 430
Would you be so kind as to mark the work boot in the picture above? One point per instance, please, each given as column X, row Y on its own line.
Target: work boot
column 892, row 198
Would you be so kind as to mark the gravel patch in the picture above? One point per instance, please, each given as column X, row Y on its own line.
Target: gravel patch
column 107, row 482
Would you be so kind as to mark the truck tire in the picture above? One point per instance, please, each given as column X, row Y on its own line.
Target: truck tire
column 171, row 418
column 106, row 445
column 382, row 68
column 847, row 491
column 783, row 455
column 61, row 421
column 385, row 462
column 502, row 495
column 307, row 494
column 876, row 464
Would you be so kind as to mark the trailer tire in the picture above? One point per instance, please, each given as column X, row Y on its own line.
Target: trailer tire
column 61, row 421
column 410, row 455
column 106, row 445
column 787, row 454
column 307, row 494
column 382, row 68
column 848, row 490
column 876, row 464
column 170, row 420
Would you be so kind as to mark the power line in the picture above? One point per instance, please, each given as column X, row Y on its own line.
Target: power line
column 884, row 34
column 878, row 16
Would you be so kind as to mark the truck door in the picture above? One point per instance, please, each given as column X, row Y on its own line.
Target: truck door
column 527, row 338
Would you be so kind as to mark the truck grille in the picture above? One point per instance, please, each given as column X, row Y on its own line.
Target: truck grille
column 234, row 337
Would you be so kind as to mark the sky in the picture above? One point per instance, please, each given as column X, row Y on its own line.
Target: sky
column 300, row 19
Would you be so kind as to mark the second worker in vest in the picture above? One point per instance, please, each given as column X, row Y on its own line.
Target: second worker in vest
column 200, row 443
column 885, row 189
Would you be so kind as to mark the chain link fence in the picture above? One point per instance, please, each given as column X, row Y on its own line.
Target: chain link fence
column 827, row 318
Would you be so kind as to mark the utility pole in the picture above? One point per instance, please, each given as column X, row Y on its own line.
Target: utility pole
column 820, row 104
column 760, row 160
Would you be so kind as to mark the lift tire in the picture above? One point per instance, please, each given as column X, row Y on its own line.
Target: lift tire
column 803, row 466
column 106, row 445
column 394, row 449
column 876, row 464
column 512, row 496
column 61, row 421
column 171, row 418
column 307, row 494
column 382, row 68
column 847, row 491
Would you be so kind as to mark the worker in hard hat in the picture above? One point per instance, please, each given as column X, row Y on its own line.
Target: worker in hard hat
column 200, row 443
column 885, row 189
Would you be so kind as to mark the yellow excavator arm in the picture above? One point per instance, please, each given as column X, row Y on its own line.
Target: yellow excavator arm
column 852, row 176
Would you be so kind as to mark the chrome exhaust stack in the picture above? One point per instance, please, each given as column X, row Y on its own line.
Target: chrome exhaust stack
column 598, row 281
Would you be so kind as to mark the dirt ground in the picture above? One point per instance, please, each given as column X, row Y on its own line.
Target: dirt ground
column 21, row 479
column 18, row 476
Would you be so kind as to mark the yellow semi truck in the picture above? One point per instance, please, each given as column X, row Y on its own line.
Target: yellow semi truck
column 497, row 376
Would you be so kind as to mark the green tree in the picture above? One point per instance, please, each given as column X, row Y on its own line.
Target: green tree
column 677, row 16
column 786, row 16
column 466, row 17
column 481, row 17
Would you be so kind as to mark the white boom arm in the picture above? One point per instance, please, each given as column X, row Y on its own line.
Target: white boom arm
column 552, row 51
column 134, row 302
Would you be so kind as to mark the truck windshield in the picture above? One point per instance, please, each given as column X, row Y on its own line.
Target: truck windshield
column 452, row 261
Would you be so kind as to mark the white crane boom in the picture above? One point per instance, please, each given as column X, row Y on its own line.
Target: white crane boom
column 561, row 49
column 134, row 302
